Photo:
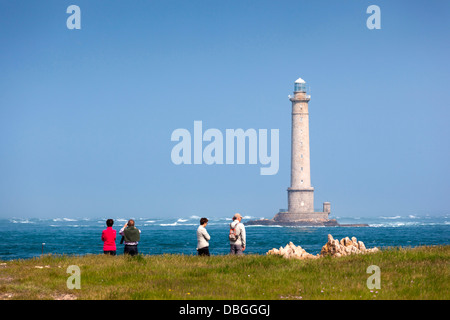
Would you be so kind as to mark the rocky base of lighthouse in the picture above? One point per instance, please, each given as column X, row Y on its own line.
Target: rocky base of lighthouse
column 315, row 219
column 305, row 223
column 300, row 216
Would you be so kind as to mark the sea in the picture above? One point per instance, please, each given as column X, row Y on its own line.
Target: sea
column 28, row 238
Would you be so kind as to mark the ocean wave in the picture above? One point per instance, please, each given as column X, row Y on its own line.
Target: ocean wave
column 168, row 224
column 64, row 219
column 222, row 223
column 69, row 225
column 176, row 224
column 391, row 218
column 405, row 224
column 21, row 221
column 264, row 226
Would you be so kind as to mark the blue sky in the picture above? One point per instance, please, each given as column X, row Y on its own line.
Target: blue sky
column 86, row 115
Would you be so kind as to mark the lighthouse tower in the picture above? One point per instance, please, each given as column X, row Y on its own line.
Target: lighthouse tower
column 300, row 210
column 300, row 192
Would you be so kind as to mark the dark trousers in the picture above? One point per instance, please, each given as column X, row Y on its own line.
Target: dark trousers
column 131, row 250
column 236, row 249
column 203, row 251
column 110, row 252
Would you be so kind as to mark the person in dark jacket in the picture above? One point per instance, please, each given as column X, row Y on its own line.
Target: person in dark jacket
column 131, row 236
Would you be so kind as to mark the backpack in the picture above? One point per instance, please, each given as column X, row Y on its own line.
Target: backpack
column 233, row 235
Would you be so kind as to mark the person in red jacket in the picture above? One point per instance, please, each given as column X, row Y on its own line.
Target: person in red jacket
column 109, row 238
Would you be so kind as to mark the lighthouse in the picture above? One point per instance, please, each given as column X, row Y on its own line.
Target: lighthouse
column 300, row 193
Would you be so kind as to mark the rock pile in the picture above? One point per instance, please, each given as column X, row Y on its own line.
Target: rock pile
column 292, row 251
column 333, row 247
column 345, row 247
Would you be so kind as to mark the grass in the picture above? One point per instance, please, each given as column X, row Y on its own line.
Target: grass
column 406, row 273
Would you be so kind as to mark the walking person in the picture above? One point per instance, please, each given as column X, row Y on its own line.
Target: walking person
column 203, row 238
column 237, row 236
column 109, row 238
column 131, row 236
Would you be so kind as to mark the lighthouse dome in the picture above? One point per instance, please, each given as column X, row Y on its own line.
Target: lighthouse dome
column 300, row 85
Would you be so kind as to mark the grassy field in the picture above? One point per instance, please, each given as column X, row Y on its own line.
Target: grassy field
column 418, row 273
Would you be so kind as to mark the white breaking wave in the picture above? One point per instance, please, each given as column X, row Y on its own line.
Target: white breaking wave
column 64, row 219
column 404, row 224
column 21, row 221
column 168, row 224
column 395, row 217
column 176, row 224
column 264, row 226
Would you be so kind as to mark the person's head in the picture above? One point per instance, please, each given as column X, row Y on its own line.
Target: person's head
column 131, row 223
column 237, row 216
column 109, row 222
column 203, row 221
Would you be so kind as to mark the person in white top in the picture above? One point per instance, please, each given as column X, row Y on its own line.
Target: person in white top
column 203, row 238
column 238, row 242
